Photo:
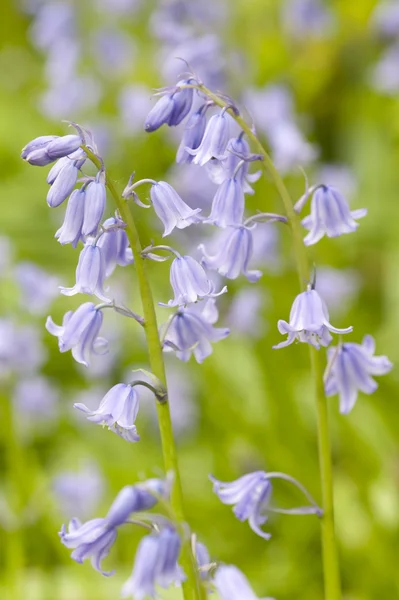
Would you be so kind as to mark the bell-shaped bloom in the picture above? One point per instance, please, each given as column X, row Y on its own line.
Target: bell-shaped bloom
column 136, row 498
column 250, row 496
column 45, row 149
column 309, row 322
column 330, row 215
column 37, row 144
column 214, row 141
column 233, row 255
column 90, row 274
column 79, row 156
column 155, row 565
column 94, row 539
column 231, row 584
column 118, row 411
column 70, row 231
column 171, row 209
column 95, row 201
column 170, row 109
column 189, row 282
column 228, row 204
column 192, row 136
column 237, row 149
column 79, row 332
column 191, row 331
column 63, row 146
column 114, row 245
column 350, row 369
column 63, row 184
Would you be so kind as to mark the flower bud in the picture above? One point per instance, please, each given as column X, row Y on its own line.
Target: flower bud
column 63, row 184
column 63, row 146
column 94, row 207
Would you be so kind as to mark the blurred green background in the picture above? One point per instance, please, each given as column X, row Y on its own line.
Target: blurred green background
column 247, row 407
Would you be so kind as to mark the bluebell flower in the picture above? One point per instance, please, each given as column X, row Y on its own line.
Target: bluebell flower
column 330, row 215
column 214, row 141
column 55, row 170
column 37, row 288
column 170, row 208
column 171, row 108
column 63, row 146
column 228, row 204
column 114, row 245
column 118, row 411
column 63, row 184
column 135, row 498
column 78, row 492
column 90, row 273
column 233, row 255
column 231, row 584
column 37, row 144
column 95, row 201
column 189, row 282
column 309, row 322
column 155, row 564
column 349, row 370
column 94, row 539
column 250, row 495
column 36, row 401
column 79, row 332
column 191, row 331
column 192, row 135
column 70, row 231
column 237, row 149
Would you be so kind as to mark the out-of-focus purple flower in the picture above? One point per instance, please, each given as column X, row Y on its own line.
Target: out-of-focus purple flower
column 219, row 170
column 155, row 564
column 78, row 94
column 270, row 105
column 198, row 196
column 244, row 316
column 71, row 230
column 309, row 322
column 36, row 399
column 289, row 147
column 118, row 7
column 330, row 215
column 114, row 245
column 52, row 22
column 79, row 331
column 63, row 184
column 118, row 411
column 233, row 255
column 134, row 104
column 21, row 348
column 340, row 286
column 385, row 18
column 78, row 493
column 306, row 18
column 192, row 135
column 90, row 274
column 113, row 50
column 171, row 108
column 171, row 209
column 214, row 141
column 192, row 331
column 37, row 288
column 95, row 201
column 231, row 584
column 250, row 495
column 228, row 204
column 385, row 76
column 189, row 282
column 94, row 539
column 349, row 370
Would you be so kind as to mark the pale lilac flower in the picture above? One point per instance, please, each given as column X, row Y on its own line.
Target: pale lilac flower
column 340, row 286
column 245, row 313
column 339, row 176
column 233, row 255
column 90, row 274
column 62, row 146
column 289, row 148
column 203, row 560
column 237, row 149
column 171, row 108
column 63, row 184
column 79, row 331
column 134, row 104
column 113, row 50
column 303, row 19
column 94, row 539
column 35, row 399
column 309, row 322
column 189, row 282
column 214, row 141
column 231, row 584
column 270, row 105
column 349, row 370
column 21, row 348
column 155, row 564
column 192, row 135
column 71, row 230
column 37, row 288
column 170, row 208
column 114, row 245
column 136, row 498
column 191, row 331
column 118, row 411
column 95, row 201
column 385, row 18
column 250, row 496
column 228, row 204
column 385, row 76
column 35, row 151
column 330, row 215
column 78, row 492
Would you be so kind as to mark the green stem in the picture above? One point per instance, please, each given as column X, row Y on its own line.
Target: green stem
column 192, row 585
column 332, row 584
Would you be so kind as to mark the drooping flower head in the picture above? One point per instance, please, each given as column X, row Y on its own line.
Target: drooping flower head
column 171, row 209
column 90, row 273
column 114, row 245
column 79, row 332
column 95, row 201
column 70, row 231
column 214, row 141
column 231, row 584
column 173, row 106
column 228, row 203
column 350, row 368
column 309, row 322
column 192, row 135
